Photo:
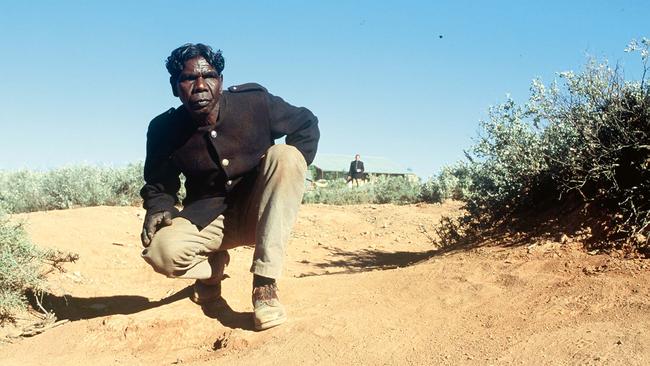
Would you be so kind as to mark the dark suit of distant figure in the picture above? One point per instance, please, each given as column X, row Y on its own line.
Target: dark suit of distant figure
column 356, row 173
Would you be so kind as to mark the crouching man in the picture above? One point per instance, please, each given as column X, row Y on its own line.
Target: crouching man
column 241, row 188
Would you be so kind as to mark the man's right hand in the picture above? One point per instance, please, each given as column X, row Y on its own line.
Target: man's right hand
column 153, row 222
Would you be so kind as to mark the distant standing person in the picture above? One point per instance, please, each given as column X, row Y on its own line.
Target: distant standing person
column 356, row 175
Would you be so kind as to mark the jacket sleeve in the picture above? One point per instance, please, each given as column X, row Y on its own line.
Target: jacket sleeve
column 161, row 176
column 297, row 123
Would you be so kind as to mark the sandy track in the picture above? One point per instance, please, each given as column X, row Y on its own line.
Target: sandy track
column 363, row 285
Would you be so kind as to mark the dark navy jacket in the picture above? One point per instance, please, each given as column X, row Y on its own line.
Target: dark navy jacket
column 215, row 160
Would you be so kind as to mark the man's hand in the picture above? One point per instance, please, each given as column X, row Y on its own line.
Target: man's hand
column 152, row 223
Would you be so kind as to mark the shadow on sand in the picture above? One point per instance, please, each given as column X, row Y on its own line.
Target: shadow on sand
column 230, row 318
column 370, row 260
column 81, row 308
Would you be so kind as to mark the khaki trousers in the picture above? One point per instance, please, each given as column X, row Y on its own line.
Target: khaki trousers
column 263, row 218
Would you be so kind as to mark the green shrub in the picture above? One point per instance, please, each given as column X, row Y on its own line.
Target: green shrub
column 20, row 263
column 338, row 193
column 397, row 190
column 508, row 163
column 23, row 267
column 76, row 186
column 453, row 182
column 584, row 138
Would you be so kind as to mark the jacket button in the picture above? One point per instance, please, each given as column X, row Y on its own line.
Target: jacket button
column 213, row 133
column 225, row 162
column 229, row 183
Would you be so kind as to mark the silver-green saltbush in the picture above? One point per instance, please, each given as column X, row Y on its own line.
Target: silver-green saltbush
column 452, row 182
column 584, row 137
column 338, row 193
column 75, row 186
column 396, row 190
column 20, row 268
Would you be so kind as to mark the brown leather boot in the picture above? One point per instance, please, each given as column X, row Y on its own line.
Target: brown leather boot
column 268, row 312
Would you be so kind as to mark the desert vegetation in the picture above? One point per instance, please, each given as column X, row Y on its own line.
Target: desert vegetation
column 580, row 143
column 397, row 190
column 579, row 147
column 73, row 186
column 22, row 267
column 84, row 186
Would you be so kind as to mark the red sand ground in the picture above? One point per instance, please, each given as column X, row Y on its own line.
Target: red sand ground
column 362, row 285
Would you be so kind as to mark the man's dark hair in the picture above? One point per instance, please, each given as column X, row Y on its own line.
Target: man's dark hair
column 176, row 61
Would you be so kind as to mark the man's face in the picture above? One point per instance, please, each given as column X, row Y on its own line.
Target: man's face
column 199, row 87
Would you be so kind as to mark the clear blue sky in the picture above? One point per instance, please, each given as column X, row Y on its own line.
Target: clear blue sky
column 80, row 80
